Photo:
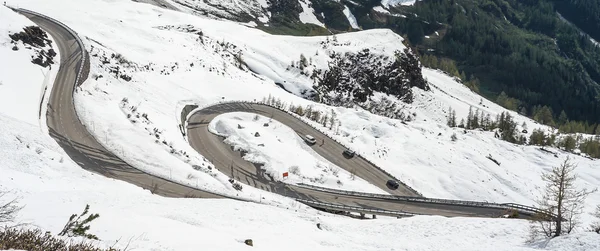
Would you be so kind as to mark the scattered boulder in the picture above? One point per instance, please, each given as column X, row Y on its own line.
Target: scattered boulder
column 266, row 124
column 256, row 134
column 249, row 242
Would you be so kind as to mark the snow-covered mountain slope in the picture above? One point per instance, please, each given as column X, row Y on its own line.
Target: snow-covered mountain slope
column 147, row 60
column 392, row 3
column 205, row 68
column 238, row 10
column 51, row 188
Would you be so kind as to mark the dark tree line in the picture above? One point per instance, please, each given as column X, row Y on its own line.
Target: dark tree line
column 519, row 47
column 505, row 128
column 583, row 13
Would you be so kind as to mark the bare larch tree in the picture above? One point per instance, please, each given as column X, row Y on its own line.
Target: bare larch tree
column 561, row 198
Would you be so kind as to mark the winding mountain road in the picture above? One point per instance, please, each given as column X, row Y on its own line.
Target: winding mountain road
column 68, row 131
column 232, row 163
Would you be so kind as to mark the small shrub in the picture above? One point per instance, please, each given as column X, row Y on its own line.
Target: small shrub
column 513, row 214
column 76, row 227
column 295, row 170
column 36, row 240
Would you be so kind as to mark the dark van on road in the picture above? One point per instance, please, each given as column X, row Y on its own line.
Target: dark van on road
column 392, row 184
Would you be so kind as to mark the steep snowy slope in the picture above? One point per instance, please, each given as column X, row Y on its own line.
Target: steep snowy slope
column 171, row 67
column 206, row 68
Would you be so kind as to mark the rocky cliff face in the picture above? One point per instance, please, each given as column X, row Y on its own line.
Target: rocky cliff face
column 359, row 75
column 354, row 78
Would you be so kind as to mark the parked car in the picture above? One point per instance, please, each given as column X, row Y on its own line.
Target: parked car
column 349, row 153
column 392, row 184
column 310, row 139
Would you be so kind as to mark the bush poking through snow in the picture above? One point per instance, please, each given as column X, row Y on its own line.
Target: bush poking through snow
column 36, row 240
column 8, row 209
column 78, row 227
column 453, row 137
column 295, row 170
column 596, row 225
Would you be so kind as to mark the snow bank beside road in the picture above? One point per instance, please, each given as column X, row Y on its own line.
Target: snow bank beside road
column 281, row 150
column 22, row 83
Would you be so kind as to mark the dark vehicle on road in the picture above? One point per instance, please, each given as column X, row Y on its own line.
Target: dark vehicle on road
column 392, row 184
column 348, row 153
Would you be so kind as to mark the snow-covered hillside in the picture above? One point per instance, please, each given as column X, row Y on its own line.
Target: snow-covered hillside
column 392, row 3
column 239, row 10
column 149, row 62
column 22, row 83
column 206, row 68
column 51, row 188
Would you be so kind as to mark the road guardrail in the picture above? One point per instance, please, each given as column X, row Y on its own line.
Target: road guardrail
column 355, row 209
column 504, row 206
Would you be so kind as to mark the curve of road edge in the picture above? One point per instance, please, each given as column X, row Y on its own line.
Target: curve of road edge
column 68, row 131
column 403, row 199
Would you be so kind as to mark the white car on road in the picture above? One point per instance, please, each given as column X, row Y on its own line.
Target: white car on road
column 310, row 139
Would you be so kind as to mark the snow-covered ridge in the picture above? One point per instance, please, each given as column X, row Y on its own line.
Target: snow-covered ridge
column 308, row 14
column 351, row 18
column 237, row 10
column 392, row 3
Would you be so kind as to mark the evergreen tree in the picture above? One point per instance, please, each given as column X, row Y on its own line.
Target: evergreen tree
column 451, row 117
column 538, row 137
column 469, row 124
column 562, row 118
column 568, row 143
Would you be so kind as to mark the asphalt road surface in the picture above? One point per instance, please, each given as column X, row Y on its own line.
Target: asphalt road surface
column 68, row 131
column 231, row 163
column 66, row 128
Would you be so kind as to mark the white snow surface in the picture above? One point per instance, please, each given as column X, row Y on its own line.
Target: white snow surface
column 351, row 18
column 170, row 68
column 281, row 150
column 51, row 188
column 308, row 14
column 385, row 11
column 22, row 83
column 414, row 153
column 392, row 3
column 229, row 9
